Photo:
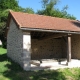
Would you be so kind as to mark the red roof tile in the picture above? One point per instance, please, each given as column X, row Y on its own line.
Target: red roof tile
column 25, row 20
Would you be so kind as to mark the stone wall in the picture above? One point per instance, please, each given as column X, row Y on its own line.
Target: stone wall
column 55, row 48
column 19, row 46
column 75, row 46
column 14, row 43
column 64, row 47
column 46, row 49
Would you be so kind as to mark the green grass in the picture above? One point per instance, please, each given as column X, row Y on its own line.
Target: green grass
column 10, row 70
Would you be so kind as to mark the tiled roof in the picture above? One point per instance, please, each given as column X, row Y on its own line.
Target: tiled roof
column 34, row 21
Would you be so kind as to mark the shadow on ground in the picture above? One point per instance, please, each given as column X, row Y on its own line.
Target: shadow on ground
column 15, row 72
column 3, row 57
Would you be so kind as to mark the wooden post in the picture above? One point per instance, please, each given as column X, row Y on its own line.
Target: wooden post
column 69, row 48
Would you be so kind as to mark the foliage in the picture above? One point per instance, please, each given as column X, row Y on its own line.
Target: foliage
column 5, row 7
column 8, row 4
column 3, row 18
column 50, row 10
column 29, row 10
column 10, row 70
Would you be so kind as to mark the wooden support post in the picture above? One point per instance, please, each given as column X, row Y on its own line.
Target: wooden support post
column 69, row 48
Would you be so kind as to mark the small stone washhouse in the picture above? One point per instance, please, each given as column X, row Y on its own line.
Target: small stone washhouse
column 37, row 37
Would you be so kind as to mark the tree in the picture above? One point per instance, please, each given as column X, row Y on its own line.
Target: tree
column 50, row 10
column 5, row 7
column 25, row 10
column 8, row 4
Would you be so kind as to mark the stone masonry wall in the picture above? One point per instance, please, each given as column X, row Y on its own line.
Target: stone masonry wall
column 46, row 49
column 55, row 48
column 75, row 46
column 14, row 43
column 64, row 47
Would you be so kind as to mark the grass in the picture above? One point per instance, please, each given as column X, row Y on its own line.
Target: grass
column 10, row 70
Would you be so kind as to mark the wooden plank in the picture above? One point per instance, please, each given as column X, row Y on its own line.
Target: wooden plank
column 53, row 36
column 69, row 48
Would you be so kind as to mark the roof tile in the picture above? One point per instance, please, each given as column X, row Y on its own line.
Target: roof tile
column 44, row 22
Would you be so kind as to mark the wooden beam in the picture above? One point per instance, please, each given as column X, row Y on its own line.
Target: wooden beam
column 69, row 48
column 53, row 36
column 42, row 34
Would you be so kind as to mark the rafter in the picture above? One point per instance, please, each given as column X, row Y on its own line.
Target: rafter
column 54, row 36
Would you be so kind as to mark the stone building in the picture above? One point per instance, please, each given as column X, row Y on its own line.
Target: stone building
column 37, row 37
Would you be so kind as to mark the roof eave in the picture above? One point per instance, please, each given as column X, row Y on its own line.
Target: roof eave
column 47, row 30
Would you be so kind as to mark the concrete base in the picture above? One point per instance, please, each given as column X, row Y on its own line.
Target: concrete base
column 53, row 64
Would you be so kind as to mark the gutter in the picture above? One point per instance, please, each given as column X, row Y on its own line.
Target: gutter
column 46, row 30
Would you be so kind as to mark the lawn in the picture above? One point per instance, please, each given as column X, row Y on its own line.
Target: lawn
column 12, row 71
